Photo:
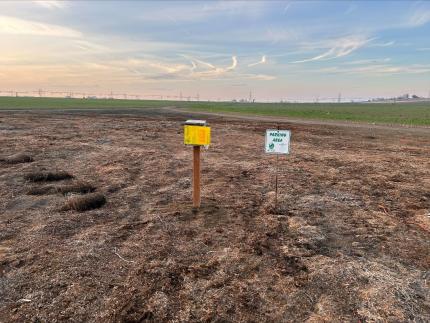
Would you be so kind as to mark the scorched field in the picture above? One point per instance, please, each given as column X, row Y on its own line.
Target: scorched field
column 96, row 222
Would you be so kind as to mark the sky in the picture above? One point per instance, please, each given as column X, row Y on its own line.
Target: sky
column 217, row 50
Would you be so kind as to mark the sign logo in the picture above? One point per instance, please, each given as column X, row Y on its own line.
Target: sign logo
column 278, row 141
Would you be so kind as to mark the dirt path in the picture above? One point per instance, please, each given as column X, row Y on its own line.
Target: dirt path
column 237, row 116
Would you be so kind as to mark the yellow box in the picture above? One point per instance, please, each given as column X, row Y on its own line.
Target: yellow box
column 197, row 135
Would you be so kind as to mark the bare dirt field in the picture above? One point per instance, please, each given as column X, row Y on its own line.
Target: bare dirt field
column 96, row 222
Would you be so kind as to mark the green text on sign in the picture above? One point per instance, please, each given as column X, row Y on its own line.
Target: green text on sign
column 278, row 141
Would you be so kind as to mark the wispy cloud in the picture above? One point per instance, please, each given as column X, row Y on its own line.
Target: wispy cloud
column 197, row 69
column 51, row 4
column 386, row 44
column 196, row 11
column 213, row 71
column 16, row 26
column 260, row 77
column 351, row 9
column 277, row 35
column 378, row 69
column 233, row 64
column 262, row 61
column 419, row 18
column 368, row 61
column 88, row 46
column 287, row 7
column 339, row 48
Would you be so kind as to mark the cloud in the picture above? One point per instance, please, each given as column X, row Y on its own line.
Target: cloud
column 197, row 69
column 16, row 26
column 260, row 77
column 199, row 64
column 276, row 35
column 287, row 7
column 51, row 4
column 211, row 66
column 351, row 9
column 386, row 44
column 198, row 12
column 262, row 61
column 378, row 69
column 171, row 68
column 88, row 46
column 339, row 48
column 368, row 61
column 233, row 65
column 212, row 71
column 419, row 18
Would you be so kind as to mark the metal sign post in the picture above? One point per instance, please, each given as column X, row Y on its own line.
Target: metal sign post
column 196, row 134
column 277, row 142
column 276, row 182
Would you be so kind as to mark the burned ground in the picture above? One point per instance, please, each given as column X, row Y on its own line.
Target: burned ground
column 348, row 242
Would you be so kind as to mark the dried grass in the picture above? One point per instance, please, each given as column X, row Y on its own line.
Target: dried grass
column 41, row 176
column 17, row 159
column 44, row 190
column 85, row 202
column 79, row 187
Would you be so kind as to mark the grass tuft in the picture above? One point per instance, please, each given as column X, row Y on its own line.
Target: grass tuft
column 44, row 190
column 79, row 187
column 41, row 176
column 83, row 203
column 17, row 159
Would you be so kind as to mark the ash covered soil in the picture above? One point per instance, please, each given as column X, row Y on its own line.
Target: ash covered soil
column 350, row 240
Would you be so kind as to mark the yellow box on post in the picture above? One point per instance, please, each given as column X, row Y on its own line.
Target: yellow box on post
column 197, row 133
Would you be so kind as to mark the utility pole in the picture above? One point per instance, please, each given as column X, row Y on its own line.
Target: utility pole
column 180, row 96
column 250, row 97
column 339, row 98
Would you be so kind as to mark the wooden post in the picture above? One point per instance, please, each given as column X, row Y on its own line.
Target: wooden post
column 196, row 176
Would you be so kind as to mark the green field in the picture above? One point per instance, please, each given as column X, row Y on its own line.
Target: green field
column 400, row 113
column 25, row 103
column 406, row 113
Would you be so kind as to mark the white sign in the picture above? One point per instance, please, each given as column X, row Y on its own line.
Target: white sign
column 278, row 141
